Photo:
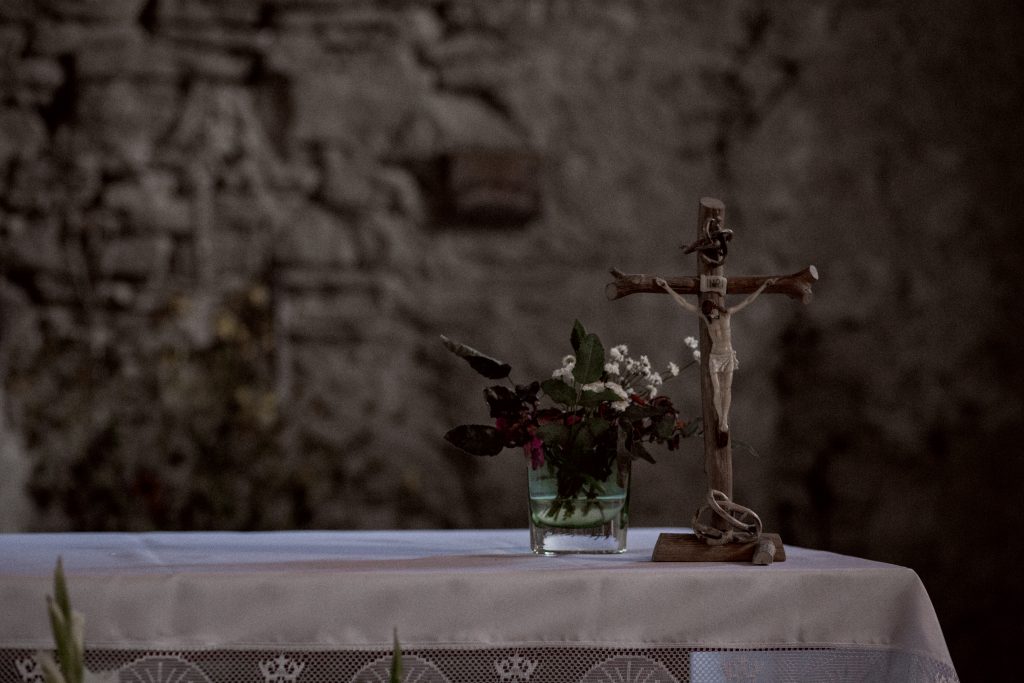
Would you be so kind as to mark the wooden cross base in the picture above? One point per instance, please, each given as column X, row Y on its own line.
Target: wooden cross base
column 690, row 548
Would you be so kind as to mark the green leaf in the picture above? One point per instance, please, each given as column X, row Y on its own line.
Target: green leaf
column 61, row 619
column 51, row 672
column 589, row 360
column 581, row 440
column 598, row 426
column 60, row 589
column 636, row 412
column 638, row 451
column 476, row 439
column 666, row 426
column 61, row 632
column 594, row 487
column 559, row 391
column 396, row 661
column 692, row 427
column 553, row 434
column 589, row 399
column 485, row 365
column 743, row 445
column 76, row 667
column 578, row 333
column 502, row 401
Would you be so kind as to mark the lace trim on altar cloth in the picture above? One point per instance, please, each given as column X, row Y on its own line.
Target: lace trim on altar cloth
column 555, row 664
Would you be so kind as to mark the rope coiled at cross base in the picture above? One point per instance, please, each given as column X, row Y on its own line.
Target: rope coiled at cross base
column 743, row 524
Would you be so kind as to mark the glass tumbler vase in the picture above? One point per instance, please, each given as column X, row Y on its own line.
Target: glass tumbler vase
column 578, row 524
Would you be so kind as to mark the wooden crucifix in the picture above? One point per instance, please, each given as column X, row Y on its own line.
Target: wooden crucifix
column 731, row 532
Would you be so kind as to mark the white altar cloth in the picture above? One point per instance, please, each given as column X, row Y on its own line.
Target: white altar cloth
column 467, row 606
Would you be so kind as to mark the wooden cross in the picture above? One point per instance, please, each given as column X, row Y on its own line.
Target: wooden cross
column 711, row 285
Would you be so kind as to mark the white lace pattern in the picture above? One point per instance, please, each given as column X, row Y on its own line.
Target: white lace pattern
column 554, row 664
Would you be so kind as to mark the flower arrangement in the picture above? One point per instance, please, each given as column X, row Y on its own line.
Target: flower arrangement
column 605, row 412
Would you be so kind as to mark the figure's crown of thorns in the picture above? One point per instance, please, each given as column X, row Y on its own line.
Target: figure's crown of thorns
column 713, row 245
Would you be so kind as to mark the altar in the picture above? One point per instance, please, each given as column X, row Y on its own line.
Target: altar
column 467, row 607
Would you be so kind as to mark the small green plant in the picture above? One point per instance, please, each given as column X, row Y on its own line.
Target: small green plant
column 396, row 661
column 68, row 628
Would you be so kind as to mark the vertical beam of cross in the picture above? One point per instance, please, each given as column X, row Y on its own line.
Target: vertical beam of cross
column 717, row 451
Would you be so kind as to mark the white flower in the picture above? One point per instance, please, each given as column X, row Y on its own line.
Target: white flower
column 618, row 353
column 696, row 355
column 594, row 387
column 673, row 369
column 564, row 374
column 655, row 379
column 652, row 391
column 620, row 405
column 611, row 368
column 617, row 388
column 645, row 363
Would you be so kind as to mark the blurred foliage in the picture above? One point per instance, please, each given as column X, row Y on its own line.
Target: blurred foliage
column 191, row 445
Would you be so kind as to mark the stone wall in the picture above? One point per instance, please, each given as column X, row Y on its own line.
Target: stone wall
column 232, row 232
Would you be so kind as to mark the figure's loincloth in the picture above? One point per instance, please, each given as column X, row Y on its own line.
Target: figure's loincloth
column 723, row 361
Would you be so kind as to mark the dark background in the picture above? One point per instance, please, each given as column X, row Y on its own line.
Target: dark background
column 232, row 232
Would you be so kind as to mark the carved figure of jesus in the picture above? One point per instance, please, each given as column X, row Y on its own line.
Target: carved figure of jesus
column 722, row 360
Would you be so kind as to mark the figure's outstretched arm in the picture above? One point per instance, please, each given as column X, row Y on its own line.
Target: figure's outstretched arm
column 675, row 295
column 750, row 299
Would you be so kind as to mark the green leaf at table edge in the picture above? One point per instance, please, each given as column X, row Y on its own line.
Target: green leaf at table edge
column 396, row 660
